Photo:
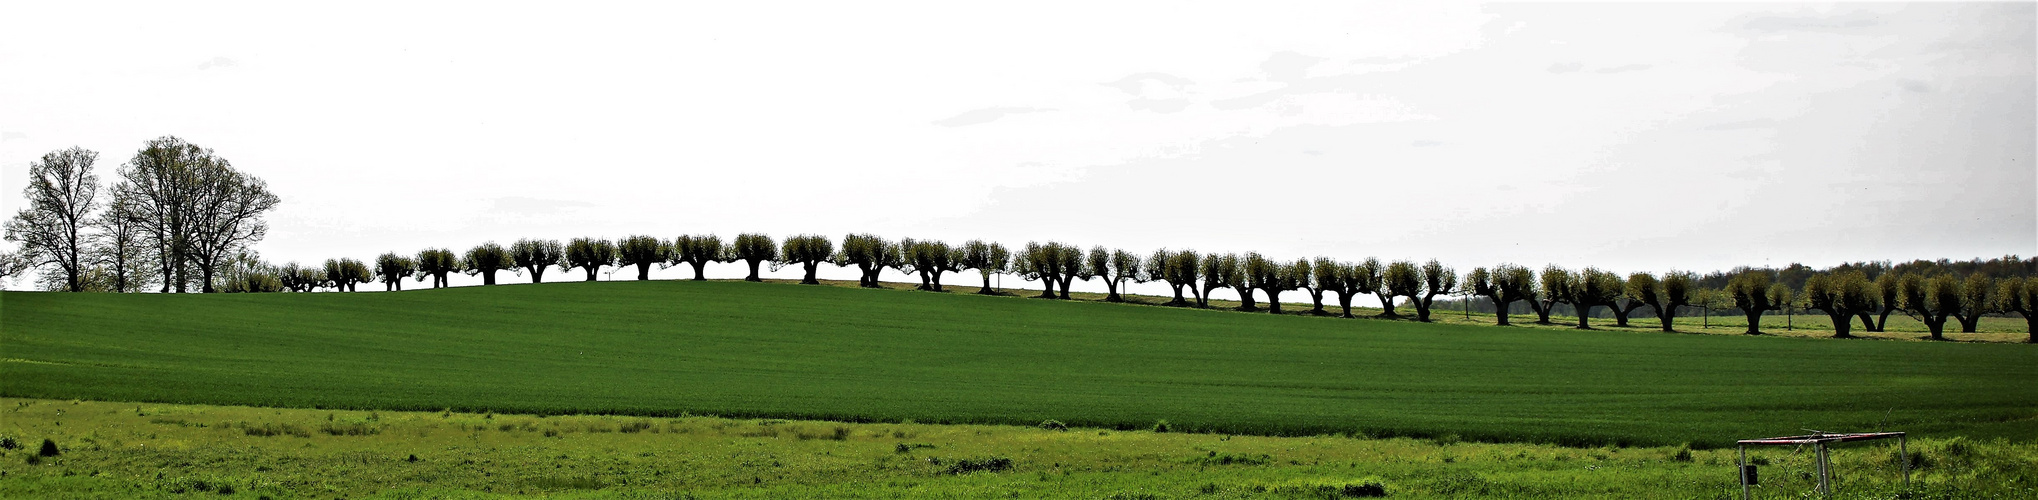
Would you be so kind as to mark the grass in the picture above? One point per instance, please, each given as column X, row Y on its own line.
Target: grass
column 128, row 450
column 666, row 348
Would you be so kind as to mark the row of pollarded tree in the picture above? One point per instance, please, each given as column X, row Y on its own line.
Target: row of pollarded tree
column 1932, row 297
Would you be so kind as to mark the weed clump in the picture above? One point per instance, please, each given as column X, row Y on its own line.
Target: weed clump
column 349, row 429
column 49, row 449
column 909, row 447
column 1053, row 425
column 1682, row 455
column 633, row 427
column 1215, row 458
column 272, row 429
column 968, row 465
column 1162, row 426
column 1363, row 489
column 8, row 443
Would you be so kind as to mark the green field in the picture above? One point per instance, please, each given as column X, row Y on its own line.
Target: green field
column 151, row 450
column 669, row 348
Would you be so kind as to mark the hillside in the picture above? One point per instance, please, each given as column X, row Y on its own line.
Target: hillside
column 763, row 349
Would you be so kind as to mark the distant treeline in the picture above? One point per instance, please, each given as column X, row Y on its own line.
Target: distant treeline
column 181, row 218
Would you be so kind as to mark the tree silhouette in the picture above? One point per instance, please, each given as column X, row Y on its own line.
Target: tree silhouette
column 809, row 251
column 2020, row 295
column 1436, row 280
column 437, row 263
column 1841, row 296
column 1400, row 279
column 1889, row 285
column 589, row 254
column 1977, row 297
column 1663, row 296
column 391, row 269
column 1323, row 277
column 1505, row 285
column 1268, row 276
column 1593, row 287
column 870, row 254
column 987, row 259
column 195, row 207
column 1178, row 269
column 486, row 259
column 753, row 249
column 1750, row 292
column 642, row 251
column 697, row 251
column 1116, row 267
column 343, row 274
column 1225, row 271
column 1553, row 287
column 537, row 255
column 61, row 195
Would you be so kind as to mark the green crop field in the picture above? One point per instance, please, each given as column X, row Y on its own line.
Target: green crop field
column 734, row 349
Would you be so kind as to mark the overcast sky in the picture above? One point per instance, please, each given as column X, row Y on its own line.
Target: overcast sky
column 1629, row 136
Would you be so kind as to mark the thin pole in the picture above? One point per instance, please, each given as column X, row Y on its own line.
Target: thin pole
column 1825, row 486
column 1745, row 493
column 1904, row 452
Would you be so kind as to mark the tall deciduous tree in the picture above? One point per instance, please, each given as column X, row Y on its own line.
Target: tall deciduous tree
column 1750, row 291
column 1436, row 280
column 809, row 251
column 589, row 254
column 196, row 209
column 486, row 259
column 697, row 251
column 642, row 251
column 537, row 255
column 61, row 194
column 1841, row 296
column 391, row 269
column 2020, row 295
column 121, row 245
column 437, row 263
column 987, row 259
column 753, row 249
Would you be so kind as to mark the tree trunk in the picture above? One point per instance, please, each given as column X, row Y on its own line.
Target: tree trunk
column 1273, row 301
column 1245, row 299
column 1203, row 296
column 925, row 283
column 1843, row 325
column 987, row 285
column 1065, row 280
column 753, row 270
column 1668, row 316
column 1584, row 317
column 487, row 276
column 1178, row 295
column 1386, row 305
column 1621, row 313
column 700, row 268
column 537, row 274
column 1867, row 321
column 1046, row 287
column 1316, row 299
column 590, row 272
column 1112, row 285
column 1883, row 322
column 2031, row 327
column 1542, row 309
column 643, row 271
column 937, row 281
column 1754, row 320
column 1422, row 307
column 810, row 279
column 1500, row 310
column 1967, row 323
column 1344, row 300
column 1937, row 325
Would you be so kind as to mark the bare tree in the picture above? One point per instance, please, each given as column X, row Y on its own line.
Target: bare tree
column 437, row 263
column 1400, row 279
column 589, row 254
column 195, row 208
column 753, row 249
column 226, row 214
column 391, row 269
column 1436, row 280
column 12, row 265
column 537, row 255
column 486, row 259
column 642, row 251
column 697, row 251
column 120, row 245
column 2020, row 295
column 1750, row 292
column 61, row 195
column 987, row 259
column 809, row 251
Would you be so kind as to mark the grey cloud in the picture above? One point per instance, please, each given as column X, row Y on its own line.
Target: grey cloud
column 1838, row 23
column 1567, row 67
column 1741, row 125
column 1135, row 83
column 1624, row 68
column 12, row 135
column 216, row 62
column 985, row 115
column 1158, row 105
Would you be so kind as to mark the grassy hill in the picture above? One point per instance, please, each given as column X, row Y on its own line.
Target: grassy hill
column 762, row 349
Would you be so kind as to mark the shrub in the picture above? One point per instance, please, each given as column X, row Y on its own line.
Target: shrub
column 1682, row 455
column 909, row 447
column 1053, row 425
column 349, row 429
column 49, row 449
column 8, row 443
column 634, row 427
column 1161, row 426
column 968, row 465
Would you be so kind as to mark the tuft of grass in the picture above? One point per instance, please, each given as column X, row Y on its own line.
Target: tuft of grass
column 987, row 464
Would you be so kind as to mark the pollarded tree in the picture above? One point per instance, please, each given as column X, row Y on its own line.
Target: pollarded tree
column 1633, row 296
column 1841, row 296
column 1323, row 277
column 2020, row 295
column 642, row 251
column 391, row 269
column 1034, row 263
column 753, row 249
column 928, row 259
column 61, row 195
column 1178, row 269
column 987, row 259
column 343, row 274
column 1508, row 283
column 297, row 278
column 1931, row 300
column 1120, row 266
column 1251, row 277
column 1977, row 297
column 1663, row 296
column 1352, row 281
column 486, row 259
column 1436, row 280
column 697, row 251
column 1400, row 279
column 1220, row 271
column 1890, row 286
column 1750, row 292
column 1070, row 258
column 536, row 255
column 1553, row 287
column 870, row 254
column 589, row 254
column 437, row 263
column 1593, row 287
column 809, row 251
column 1272, row 277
